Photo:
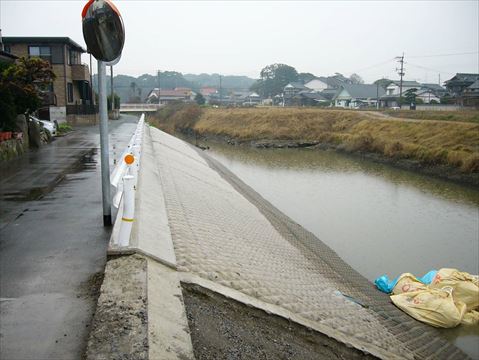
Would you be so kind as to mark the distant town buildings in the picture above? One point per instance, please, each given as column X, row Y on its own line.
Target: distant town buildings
column 164, row 96
column 334, row 91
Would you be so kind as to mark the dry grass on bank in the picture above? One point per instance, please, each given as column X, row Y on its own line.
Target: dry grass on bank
column 455, row 144
column 431, row 142
column 447, row 115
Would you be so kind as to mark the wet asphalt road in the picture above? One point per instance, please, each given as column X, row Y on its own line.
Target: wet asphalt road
column 53, row 244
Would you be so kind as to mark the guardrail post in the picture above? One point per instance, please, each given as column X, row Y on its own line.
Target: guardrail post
column 128, row 210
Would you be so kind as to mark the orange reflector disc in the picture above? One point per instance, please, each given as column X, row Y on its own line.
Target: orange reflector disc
column 129, row 159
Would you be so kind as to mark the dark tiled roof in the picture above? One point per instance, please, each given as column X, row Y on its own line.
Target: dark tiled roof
column 463, row 77
column 313, row 96
column 435, row 87
column 41, row 40
column 363, row 91
column 407, row 83
column 334, row 81
column 329, row 93
column 474, row 85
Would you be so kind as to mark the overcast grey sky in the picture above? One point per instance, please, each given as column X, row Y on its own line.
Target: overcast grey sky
column 241, row 37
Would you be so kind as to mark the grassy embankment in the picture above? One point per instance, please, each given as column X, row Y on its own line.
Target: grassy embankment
column 429, row 143
column 457, row 115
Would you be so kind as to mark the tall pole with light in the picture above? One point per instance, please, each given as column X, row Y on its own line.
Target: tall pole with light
column 104, row 35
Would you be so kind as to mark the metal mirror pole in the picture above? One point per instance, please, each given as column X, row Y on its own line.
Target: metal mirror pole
column 105, row 161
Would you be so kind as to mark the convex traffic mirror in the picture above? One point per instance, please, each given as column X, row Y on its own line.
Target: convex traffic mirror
column 103, row 30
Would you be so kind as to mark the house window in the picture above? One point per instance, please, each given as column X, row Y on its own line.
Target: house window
column 43, row 52
column 70, row 92
column 74, row 58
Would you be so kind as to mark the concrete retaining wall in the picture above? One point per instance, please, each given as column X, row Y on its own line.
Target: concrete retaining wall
column 10, row 149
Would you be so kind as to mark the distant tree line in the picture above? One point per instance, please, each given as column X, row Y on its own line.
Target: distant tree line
column 136, row 89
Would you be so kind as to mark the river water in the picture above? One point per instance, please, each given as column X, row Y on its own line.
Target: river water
column 379, row 219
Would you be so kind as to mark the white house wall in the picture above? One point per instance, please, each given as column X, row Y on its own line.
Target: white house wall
column 316, row 85
column 428, row 97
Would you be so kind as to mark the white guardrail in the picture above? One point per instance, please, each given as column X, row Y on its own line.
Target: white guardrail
column 124, row 179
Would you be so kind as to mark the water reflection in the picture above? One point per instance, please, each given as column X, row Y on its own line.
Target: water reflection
column 379, row 219
column 332, row 162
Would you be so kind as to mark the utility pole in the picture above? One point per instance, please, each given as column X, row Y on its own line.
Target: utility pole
column 221, row 93
column 401, row 74
column 159, row 89
column 377, row 96
column 439, row 79
column 111, row 90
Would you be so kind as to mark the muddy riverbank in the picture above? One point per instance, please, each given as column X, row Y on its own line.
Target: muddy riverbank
column 439, row 171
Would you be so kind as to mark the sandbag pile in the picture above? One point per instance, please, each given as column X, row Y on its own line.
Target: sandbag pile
column 444, row 298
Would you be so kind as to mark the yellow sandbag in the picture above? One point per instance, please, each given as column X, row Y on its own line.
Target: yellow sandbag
column 435, row 307
column 407, row 282
column 465, row 286
column 471, row 318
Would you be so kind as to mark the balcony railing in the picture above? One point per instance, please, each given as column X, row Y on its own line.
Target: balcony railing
column 80, row 72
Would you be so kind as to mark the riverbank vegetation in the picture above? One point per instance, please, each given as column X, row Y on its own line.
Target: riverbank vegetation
column 429, row 143
column 447, row 115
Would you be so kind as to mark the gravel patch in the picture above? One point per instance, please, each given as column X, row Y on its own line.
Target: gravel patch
column 222, row 328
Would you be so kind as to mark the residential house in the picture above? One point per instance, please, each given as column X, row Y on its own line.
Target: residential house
column 329, row 93
column 428, row 96
column 70, row 92
column 393, row 92
column 293, row 88
column 7, row 57
column 4, row 56
column 458, row 83
column 317, row 85
column 470, row 94
column 335, row 81
column 166, row 96
column 437, row 89
column 310, row 98
column 207, row 91
column 252, row 99
column 358, row 95
column 235, row 97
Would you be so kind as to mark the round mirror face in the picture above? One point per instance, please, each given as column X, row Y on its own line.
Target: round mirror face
column 103, row 30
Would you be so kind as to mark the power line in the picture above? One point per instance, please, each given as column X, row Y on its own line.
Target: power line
column 375, row 65
column 428, row 68
column 452, row 54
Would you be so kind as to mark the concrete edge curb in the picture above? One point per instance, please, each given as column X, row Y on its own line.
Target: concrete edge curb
column 115, row 251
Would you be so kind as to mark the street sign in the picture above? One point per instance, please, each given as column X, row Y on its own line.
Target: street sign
column 103, row 30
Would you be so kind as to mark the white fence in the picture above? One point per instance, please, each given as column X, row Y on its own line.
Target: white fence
column 438, row 107
column 124, row 179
